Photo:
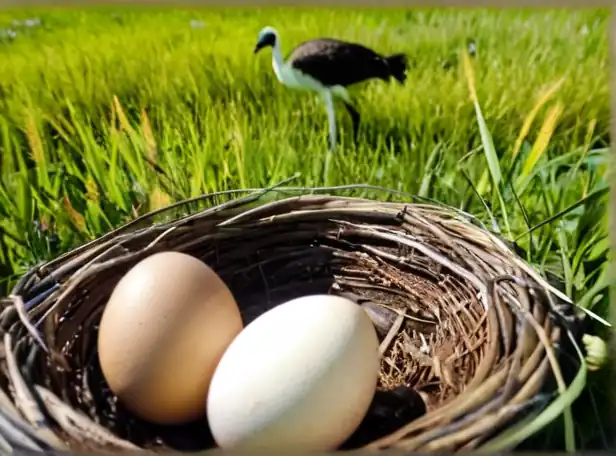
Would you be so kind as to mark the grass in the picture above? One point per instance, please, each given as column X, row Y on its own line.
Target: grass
column 109, row 112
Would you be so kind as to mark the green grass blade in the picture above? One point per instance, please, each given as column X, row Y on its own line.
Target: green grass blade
column 596, row 194
column 562, row 241
column 493, row 220
column 428, row 173
column 486, row 138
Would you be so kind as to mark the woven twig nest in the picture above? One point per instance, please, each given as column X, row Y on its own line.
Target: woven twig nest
column 464, row 322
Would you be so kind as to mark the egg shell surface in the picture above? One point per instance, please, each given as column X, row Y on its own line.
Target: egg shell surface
column 301, row 376
column 163, row 331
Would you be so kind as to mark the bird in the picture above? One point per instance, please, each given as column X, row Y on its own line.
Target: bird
column 328, row 66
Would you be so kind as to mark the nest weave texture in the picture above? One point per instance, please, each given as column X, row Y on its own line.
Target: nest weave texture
column 462, row 319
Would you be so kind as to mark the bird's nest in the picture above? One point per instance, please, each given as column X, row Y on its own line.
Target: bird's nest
column 467, row 328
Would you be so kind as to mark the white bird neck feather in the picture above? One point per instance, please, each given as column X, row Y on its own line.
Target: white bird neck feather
column 277, row 60
column 287, row 75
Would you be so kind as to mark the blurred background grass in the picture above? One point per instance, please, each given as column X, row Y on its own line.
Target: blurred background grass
column 109, row 112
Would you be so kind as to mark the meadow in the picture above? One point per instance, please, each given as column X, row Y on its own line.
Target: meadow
column 107, row 113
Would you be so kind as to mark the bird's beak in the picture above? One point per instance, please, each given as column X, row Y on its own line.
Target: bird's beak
column 258, row 47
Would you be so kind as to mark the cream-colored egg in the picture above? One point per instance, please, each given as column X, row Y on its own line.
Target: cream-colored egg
column 163, row 331
column 299, row 377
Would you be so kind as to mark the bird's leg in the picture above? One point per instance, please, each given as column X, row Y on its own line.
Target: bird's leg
column 331, row 117
column 355, row 117
column 342, row 93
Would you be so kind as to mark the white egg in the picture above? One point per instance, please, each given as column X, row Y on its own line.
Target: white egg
column 300, row 376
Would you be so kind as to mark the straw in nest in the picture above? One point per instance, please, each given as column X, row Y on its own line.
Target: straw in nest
column 463, row 320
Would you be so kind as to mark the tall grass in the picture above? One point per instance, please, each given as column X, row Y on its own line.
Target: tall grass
column 108, row 113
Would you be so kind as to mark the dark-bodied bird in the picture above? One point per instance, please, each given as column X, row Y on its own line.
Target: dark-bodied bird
column 327, row 66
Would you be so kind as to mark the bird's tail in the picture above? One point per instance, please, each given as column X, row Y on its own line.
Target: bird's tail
column 398, row 64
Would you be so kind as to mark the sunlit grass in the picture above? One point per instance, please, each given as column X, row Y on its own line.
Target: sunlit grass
column 106, row 114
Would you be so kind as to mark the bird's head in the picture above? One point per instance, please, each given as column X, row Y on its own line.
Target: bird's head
column 267, row 37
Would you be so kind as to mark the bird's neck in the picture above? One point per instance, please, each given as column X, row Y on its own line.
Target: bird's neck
column 277, row 59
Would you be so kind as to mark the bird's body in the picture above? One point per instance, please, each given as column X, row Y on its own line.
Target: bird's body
column 338, row 63
column 328, row 66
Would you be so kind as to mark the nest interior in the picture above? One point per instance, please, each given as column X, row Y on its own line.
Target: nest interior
column 472, row 347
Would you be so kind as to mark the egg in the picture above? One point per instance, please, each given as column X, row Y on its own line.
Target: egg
column 164, row 329
column 301, row 376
